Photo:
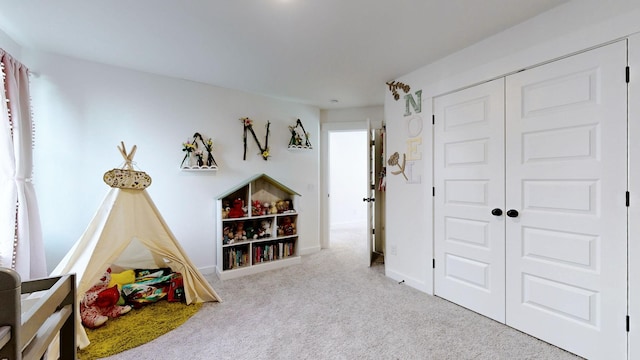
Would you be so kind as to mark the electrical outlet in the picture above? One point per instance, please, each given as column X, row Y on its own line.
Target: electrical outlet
column 393, row 250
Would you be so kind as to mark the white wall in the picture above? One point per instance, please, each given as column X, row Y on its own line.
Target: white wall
column 573, row 27
column 374, row 113
column 10, row 46
column 408, row 202
column 83, row 110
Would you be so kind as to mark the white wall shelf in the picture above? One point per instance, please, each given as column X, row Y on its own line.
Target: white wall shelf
column 299, row 147
column 199, row 168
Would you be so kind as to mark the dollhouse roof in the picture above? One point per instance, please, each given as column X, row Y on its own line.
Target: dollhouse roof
column 263, row 177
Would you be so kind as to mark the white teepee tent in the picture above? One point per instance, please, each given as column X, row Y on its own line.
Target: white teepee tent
column 129, row 232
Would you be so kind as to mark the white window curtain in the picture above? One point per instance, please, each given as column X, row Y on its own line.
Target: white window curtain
column 21, row 246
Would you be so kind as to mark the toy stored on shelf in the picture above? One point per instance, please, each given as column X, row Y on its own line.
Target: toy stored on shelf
column 236, row 210
column 265, row 229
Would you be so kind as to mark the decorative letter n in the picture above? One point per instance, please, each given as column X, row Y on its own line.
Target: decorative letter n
column 417, row 105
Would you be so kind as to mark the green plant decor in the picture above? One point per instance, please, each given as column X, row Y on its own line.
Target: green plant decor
column 135, row 328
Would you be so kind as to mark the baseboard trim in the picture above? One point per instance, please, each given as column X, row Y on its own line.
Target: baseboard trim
column 207, row 270
column 309, row 250
column 407, row 280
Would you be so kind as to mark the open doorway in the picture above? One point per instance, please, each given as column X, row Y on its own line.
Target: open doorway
column 347, row 187
column 355, row 199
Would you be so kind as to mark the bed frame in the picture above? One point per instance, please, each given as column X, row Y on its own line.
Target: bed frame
column 28, row 324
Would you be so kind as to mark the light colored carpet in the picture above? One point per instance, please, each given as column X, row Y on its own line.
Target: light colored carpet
column 334, row 307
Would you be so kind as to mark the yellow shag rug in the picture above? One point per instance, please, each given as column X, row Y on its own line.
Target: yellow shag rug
column 135, row 328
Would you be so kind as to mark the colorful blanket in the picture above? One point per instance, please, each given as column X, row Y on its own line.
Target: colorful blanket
column 152, row 285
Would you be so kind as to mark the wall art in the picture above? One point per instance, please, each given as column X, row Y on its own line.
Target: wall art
column 248, row 127
column 299, row 137
column 198, row 154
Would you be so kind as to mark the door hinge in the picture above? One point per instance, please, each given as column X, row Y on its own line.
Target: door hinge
column 627, row 198
column 627, row 323
column 627, row 74
column 373, row 231
column 434, row 263
column 433, row 119
column 433, row 191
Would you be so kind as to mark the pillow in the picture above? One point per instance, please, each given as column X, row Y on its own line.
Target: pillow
column 120, row 279
column 125, row 277
column 108, row 297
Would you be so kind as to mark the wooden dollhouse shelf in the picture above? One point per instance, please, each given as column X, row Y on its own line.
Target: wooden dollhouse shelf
column 257, row 228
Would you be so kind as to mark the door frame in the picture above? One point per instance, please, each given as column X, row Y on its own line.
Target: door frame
column 325, row 129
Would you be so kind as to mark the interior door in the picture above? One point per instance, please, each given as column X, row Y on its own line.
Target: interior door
column 566, row 160
column 369, row 197
column 377, row 153
column 469, row 198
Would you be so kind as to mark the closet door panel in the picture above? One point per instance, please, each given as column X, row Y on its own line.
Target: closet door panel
column 566, row 166
column 469, row 183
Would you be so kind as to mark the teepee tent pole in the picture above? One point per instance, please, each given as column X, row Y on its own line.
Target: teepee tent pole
column 128, row 158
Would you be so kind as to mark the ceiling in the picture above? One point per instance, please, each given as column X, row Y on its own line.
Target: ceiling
column 306, row 51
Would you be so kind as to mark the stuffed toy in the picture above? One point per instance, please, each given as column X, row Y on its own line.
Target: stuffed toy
column 228, row 235
column 256, row 208
column 240, row 234
column 100, row 303
column 236, row 211
column 265, row 229
column 250, row 231
column 225, row 209
column 287, row 227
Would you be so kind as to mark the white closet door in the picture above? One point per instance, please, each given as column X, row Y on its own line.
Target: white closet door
column 566, row 160
column 469, row 184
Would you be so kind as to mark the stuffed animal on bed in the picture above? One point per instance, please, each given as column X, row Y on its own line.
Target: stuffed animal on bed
column 100, row 303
